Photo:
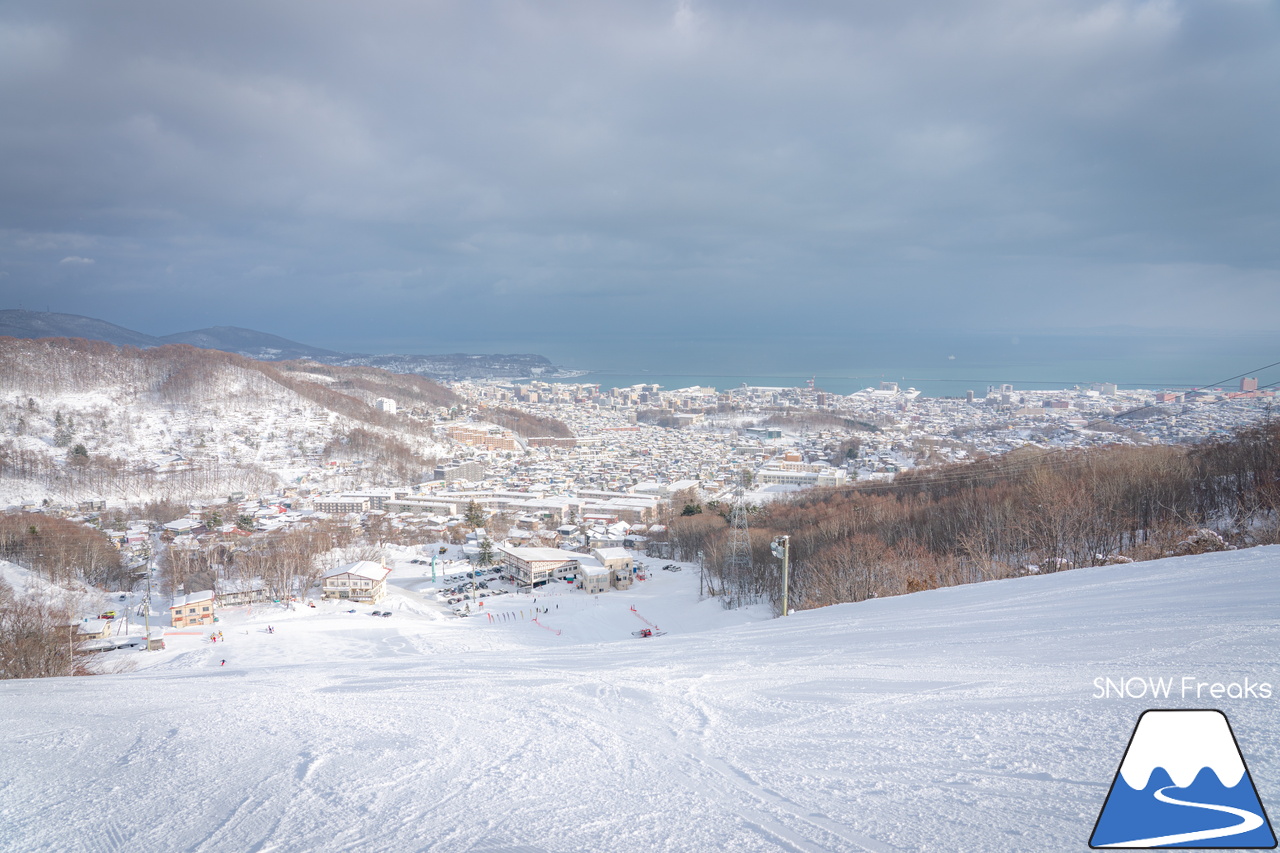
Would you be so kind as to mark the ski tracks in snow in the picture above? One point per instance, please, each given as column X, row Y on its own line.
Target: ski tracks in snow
column 679, row 745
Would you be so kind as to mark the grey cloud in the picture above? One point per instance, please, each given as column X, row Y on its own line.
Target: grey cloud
column 684, row 163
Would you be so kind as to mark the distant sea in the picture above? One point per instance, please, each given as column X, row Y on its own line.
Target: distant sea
column 938, row 365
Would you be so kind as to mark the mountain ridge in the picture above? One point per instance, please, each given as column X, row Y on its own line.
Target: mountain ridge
column 20, row 323
column 264, row 346
column 250, row 342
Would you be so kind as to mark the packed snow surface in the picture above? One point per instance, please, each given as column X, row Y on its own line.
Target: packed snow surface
column 963, row 719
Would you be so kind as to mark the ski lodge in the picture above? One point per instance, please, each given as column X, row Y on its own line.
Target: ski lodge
column 363, row 581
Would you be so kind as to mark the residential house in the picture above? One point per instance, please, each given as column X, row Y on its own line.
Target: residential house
column 197, row 608
column 93, row 629
column 231, row 592
column 185, row 527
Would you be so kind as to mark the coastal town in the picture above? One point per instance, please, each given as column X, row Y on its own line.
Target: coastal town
column 505, row 513
column 632, row 456
column 646, row 440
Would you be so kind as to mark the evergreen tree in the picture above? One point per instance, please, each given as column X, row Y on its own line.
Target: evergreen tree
column 474, row 515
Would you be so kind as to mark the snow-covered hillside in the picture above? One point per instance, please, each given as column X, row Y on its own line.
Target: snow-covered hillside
column 170, row 422
column 961, row 719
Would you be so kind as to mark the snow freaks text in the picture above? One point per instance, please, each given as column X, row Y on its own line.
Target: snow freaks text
column 1178, row 687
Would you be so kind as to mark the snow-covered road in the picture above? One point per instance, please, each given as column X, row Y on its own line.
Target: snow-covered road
column 955, row 720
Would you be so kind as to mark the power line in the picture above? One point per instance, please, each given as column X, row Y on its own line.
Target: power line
column 1242, row 375
column 1042, row 459
column 1210, row 385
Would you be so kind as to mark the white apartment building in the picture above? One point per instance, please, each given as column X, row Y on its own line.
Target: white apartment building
column 801, row 474
column 538, row 565
column 342, row 503
column 363, row 581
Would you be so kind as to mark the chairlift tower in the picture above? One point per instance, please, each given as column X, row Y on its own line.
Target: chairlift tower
column 781, row 548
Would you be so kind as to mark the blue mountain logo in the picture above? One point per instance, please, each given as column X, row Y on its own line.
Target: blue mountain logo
column 1183, row 783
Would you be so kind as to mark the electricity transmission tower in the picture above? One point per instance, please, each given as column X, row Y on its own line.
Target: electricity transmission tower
column 738, row 570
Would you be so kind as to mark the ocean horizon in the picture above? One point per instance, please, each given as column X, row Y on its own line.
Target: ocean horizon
column 938, row 365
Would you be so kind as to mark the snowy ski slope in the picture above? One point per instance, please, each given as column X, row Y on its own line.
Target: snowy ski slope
column 962, row 719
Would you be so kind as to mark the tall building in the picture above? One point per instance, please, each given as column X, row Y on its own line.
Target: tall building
column 472, row 470
column 386, row 404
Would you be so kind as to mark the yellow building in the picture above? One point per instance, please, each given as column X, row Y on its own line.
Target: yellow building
column 196, row 608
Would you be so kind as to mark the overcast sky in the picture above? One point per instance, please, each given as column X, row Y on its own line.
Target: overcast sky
column 393, row 175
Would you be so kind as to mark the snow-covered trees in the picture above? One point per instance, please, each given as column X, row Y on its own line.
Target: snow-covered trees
column 35, row 636
column 287, row 562
column 83, row 419
column 60, row 550
column 389, row 458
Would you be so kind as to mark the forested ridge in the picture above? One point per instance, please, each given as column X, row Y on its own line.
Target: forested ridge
column 1031, row 511
column 87, row 418
column 528, row 425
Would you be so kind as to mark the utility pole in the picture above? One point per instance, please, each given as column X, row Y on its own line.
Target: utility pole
column 781, row 548
column 146, row 605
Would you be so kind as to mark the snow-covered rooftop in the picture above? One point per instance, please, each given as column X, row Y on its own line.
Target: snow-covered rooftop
column 361, row 568
column 192, row 598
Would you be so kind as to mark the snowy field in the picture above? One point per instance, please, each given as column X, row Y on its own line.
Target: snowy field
column 962, row 719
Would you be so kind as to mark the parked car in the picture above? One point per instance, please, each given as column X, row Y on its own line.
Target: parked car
column 376, row 613
column 386, row 613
